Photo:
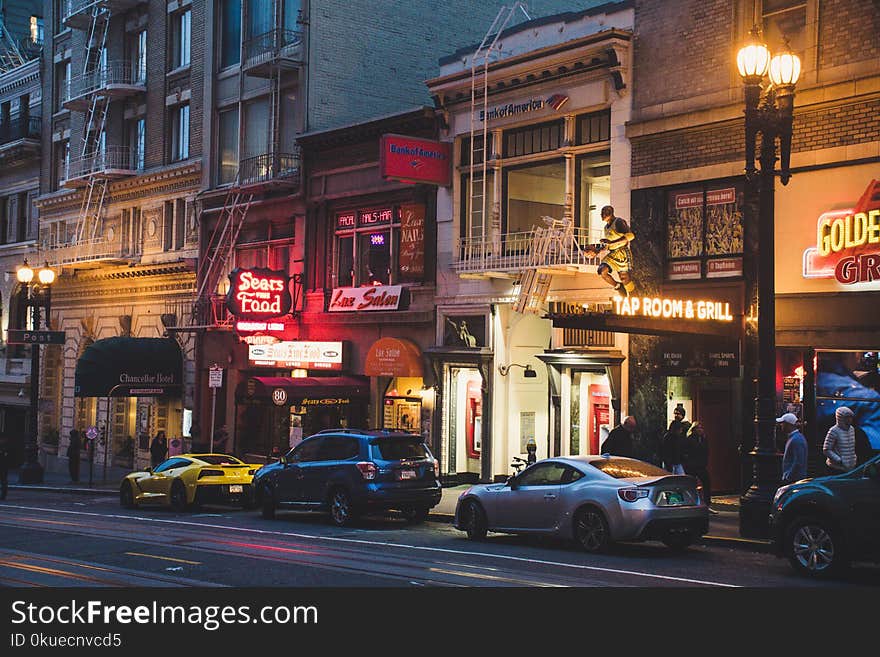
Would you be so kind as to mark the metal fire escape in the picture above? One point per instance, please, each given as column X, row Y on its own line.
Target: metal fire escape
column 268, row 56
column 11, row 56
column 92, row 92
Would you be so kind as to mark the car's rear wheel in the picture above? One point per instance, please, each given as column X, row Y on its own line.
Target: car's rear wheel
column 814, row 547
column 474, row 520
column 591, row 530
column 268, row 505
column 178, row 496
column 126, row 496
column 342, row 511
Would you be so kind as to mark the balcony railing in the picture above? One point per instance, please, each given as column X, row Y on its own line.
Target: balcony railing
column 279, row 168
column 512, row 253
column 119, row 78
column 279, row 47
column 19, row 127
column 109, row 162
column 78, row 13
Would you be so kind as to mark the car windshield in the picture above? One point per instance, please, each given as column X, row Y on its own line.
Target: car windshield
column 401, row 447
column 219, row 459
column 627, row 468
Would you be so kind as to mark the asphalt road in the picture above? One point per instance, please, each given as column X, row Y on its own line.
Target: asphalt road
column 53, row 540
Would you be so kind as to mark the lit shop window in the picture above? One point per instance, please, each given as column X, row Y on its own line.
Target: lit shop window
column 385, row 246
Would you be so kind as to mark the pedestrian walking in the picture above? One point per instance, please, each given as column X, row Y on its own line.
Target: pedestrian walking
column 794, row 457
column 221, row 438
column 620, row 441
column 864, row 451
column 673, row 444
column 73, row 450
column 840, row 443
column 4, row 467
column 695, row 458
column 158, row 449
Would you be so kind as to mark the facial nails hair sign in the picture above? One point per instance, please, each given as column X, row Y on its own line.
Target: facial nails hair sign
column 256, row 294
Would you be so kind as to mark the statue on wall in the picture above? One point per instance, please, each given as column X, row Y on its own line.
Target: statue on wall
column 464, row 335
column 615, row 253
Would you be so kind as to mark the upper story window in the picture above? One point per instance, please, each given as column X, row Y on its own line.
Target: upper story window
column 785, row 18
column 137, row 52
column 181, row 38
column 227, row 145
column 230, row 33
column 381, row 246
column 180, row 132
column 593, row 128
column 36, row 29
column 534, row 139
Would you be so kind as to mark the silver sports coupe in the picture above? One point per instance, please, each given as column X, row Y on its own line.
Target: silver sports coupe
column 595, row 500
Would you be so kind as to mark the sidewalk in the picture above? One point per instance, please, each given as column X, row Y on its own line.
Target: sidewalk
column 723, row 527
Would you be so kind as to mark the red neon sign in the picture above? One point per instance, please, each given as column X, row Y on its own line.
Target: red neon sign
column 258, row 293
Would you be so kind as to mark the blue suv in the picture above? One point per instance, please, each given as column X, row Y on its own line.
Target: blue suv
column 350, row 472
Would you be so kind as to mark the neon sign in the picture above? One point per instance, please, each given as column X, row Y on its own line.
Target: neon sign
column 256, row 294
column 848, row 242
column 661, row 308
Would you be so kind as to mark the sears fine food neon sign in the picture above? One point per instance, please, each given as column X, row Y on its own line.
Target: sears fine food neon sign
column 258, row 293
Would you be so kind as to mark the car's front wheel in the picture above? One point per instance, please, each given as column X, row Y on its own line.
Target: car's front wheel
column 474, row 520
column 591, row 530
column 814, row 547
column 342, row 512
column 268, row 503
column 126, row 496
column 178, row 496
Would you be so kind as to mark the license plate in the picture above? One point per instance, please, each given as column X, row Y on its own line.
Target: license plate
column 235, row 488
column 406, row 474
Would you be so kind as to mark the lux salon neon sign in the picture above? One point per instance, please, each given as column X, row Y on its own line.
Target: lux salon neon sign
column 258, row 293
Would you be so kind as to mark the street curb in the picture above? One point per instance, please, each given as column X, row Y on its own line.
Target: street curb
column 56, row 489
column 738, row 543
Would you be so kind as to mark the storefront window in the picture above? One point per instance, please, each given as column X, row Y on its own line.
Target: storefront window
column 402, row 405
column 593, row 193
column 589, row 412
column 851, row 379
column 532, row 192
column 384, row 246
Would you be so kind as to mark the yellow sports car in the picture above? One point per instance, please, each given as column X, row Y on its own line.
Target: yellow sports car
column 190, row 480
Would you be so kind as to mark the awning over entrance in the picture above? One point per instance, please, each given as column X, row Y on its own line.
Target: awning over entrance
column 129, row 367
column 394, row 357
column 306, row 391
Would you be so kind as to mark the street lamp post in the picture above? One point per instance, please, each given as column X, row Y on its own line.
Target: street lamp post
column 768, row 113
column 38, row 295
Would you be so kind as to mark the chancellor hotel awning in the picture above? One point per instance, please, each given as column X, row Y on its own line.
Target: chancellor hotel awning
column 129, row 367
column 305, row 391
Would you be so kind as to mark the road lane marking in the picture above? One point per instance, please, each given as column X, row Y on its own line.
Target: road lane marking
column 494, row 578
column 31, row 568
column 421, row 548
column 156, row 556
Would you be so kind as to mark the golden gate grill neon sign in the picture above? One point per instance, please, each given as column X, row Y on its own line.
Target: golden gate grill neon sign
column 256, row 294
column 662, row 308
column 848, row 242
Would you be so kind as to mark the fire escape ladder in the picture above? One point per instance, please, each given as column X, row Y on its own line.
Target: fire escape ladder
column 555, row 239
column 220, row 250
column 479, row 145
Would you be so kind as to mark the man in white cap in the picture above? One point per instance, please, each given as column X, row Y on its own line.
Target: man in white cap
column 794, row 458
column 840, row 443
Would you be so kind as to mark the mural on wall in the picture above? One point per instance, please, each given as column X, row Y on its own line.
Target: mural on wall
column 851, row 379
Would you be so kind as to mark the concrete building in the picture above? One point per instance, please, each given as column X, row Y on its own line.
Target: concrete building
column 20, row 105
column 121, row 166
column 536, row 157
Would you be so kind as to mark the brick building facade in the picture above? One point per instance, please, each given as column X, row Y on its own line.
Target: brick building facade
column 687, row 136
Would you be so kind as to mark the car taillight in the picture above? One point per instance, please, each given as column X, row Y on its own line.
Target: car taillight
column 210, row 473
column 368, row 470
column 632, row 494
column 436, row 468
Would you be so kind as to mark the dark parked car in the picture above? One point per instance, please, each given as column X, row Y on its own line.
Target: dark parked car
column 349, row 472
column 823, row 524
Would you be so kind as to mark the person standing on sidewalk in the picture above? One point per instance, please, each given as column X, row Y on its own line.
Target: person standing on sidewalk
column 620, row 441
column 158, row 449
column 840, row 443
column 794, row 458
column 4, row 467
column 673, row 442
column 696, row 459
column 73, row 456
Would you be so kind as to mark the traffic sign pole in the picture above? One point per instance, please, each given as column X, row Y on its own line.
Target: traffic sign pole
column 215, row 380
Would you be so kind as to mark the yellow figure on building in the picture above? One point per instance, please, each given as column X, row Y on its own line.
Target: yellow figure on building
column 615, row 253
